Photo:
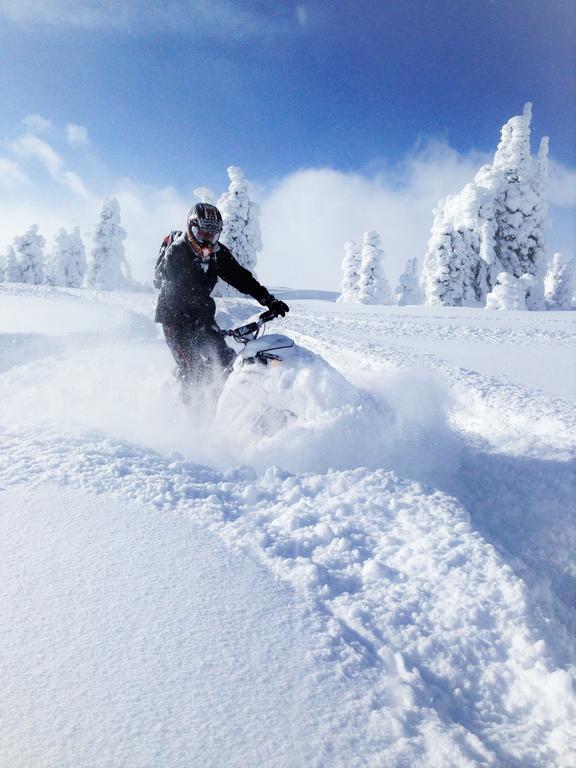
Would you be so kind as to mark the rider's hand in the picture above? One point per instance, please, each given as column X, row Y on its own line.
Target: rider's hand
column 277, row 306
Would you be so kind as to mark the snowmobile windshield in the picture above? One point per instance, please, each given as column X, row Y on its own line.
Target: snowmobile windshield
column 205, row 237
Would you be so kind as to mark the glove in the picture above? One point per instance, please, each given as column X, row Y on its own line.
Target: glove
column 277, row 306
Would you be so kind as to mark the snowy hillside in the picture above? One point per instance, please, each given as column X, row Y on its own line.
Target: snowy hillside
column 387, row 581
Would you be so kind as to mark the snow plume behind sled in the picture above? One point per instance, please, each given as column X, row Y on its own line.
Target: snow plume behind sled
column 303, row 415
column 120, row 384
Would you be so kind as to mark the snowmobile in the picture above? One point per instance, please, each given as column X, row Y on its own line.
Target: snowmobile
column 250, row 392
column 273, row 384
column 276, row 384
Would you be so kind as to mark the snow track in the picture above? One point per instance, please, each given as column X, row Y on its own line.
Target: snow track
column 429, row 529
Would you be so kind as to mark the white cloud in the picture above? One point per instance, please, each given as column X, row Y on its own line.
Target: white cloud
column 11, row 175
column 562, row 185
column 36, row 123
column 29, row 146
column 309, row 215
column 189, row 18
column 74, row 183
column 77, row 135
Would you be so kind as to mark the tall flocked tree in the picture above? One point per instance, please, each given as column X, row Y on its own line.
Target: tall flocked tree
column 560, row 282
column 68, row 262
column 373, row 287
column 350, row 272
column 496, row 224
column 30, row 256
column 241, row 231
column 9, row 267
column 107, row 266
column 408, row 288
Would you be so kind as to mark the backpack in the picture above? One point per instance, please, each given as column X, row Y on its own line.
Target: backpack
column 159, row 269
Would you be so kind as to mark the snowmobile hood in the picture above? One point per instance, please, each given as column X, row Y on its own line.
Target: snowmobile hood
column 268, row 343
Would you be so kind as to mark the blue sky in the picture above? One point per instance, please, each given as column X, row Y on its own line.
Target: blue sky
column 171, row 93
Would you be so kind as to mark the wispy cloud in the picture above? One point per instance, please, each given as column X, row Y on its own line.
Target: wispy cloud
column 11, row 175
column 30, row 146
column 77, row 135
column 562, row 185
column 189, row 18
column 37, row 123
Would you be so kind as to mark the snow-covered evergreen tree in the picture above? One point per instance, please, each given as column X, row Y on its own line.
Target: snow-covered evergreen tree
column 495, row 224
column 9, row 267
column 521, row 208
column 241, row 231
column 30, row 256
column 108, row 268
column 350, row 272
column 453, row 272
column 67, row 264
column 534, row 292
column 559, row 283
column 508, row 293
column 408, row 288
column 373, row 287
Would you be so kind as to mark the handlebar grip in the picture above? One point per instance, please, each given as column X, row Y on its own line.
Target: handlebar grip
column 270, row 314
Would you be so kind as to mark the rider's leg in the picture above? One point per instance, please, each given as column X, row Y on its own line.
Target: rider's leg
column 222, row 355
column 181, row 339
column 201, row 354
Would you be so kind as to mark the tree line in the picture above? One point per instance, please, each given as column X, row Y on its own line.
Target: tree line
column 104, row 267
column 487, row 245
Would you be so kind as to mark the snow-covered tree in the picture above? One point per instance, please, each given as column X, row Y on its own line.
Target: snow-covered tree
column 521, row 208
column 559, row 282
column 350, row 272
column 373, row 287
column 30, row 256
column 453, row 272
column 241, row 231
column 108, row 268
column 495, row 224
column 67, row 264
column 9, row 267
column 534, row 292
column 408, row 288
column 508, row 293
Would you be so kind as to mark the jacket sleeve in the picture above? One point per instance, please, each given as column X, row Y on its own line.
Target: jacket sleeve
column 239, row 277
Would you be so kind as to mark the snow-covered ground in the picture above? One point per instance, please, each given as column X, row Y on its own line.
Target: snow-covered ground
column 389, row 580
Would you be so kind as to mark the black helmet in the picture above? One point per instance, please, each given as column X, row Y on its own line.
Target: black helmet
column 204, row 224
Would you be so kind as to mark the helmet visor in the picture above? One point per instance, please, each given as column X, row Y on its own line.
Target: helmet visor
column 203, row 236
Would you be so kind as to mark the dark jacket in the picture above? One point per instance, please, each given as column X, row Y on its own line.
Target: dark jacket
column 188, row 282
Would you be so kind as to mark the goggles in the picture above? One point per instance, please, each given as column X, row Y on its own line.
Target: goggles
column 203, row 236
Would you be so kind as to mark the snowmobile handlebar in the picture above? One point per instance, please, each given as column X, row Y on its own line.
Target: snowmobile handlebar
column 265, row 317
column 246, row 333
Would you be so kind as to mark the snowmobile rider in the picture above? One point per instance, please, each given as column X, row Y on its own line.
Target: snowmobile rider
column 189, row 264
